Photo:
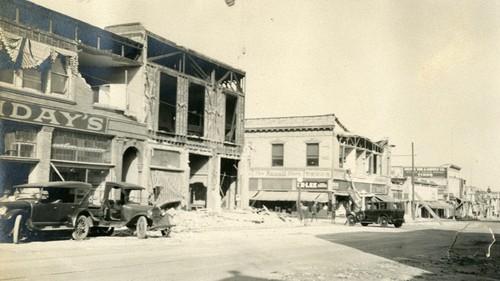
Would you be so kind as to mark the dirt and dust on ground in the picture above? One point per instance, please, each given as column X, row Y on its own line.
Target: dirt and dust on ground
column 470, row 252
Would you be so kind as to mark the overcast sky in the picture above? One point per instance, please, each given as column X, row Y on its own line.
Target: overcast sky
column 418, row 71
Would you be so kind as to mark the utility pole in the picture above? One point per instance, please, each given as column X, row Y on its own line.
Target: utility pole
column 413, row 205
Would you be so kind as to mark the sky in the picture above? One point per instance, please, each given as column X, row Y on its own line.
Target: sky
column 416, row 71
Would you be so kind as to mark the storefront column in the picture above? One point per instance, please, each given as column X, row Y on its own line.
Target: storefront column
column 213, row 193
column 41, row 172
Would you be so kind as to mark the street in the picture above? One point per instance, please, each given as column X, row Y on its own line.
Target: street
column 320, row 251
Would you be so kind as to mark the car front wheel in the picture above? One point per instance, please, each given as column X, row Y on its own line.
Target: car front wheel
column 384, row 222
column 351, row 220
column 141, row 227
column 82, row 228
column 18, row 229
column 398, row 224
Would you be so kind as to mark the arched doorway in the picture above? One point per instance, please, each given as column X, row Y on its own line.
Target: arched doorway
column 130, row 166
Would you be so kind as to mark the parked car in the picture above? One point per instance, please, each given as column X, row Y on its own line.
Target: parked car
column 121, row 206
column 378, row 210
column 45, row 206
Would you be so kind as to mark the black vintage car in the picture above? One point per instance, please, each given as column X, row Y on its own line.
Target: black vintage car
column 378, row 210
column 45, row 206
column 68, row 205
column 121, row 206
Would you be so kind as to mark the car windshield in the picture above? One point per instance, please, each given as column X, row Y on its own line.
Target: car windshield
column 27, row 193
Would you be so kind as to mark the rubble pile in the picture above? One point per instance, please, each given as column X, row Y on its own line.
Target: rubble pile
column 196, row 221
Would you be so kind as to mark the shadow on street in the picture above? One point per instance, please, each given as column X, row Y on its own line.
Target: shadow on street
column 440, row 252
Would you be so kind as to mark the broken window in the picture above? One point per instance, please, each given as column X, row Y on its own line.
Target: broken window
column 168, row 101
column 196, row 110
column 231, row 116
column 312, row 154
column 277, row 154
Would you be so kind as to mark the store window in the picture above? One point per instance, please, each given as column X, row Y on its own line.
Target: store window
column 20, row 143
column 81, row 147
column 312, row 154
column 93, row 176
column 277, row 154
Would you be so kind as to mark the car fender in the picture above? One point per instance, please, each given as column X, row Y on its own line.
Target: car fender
column 12, row 214
column 133, row 220
column 79, row 212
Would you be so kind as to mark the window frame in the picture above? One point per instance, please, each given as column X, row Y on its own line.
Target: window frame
column 311, row 157
column 277, row 157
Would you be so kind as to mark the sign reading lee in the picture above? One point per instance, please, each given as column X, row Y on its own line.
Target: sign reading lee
column 426, row 172
column 312, row 185
column 35, row 113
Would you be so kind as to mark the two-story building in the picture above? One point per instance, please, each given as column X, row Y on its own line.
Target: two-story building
column 444, row 180
column 311, row 154
column 78, row 102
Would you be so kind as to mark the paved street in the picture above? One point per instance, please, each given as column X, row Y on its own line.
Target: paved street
column 320, row 251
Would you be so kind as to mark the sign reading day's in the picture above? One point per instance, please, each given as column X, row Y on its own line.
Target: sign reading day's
column 35, row 113
column 425, row 172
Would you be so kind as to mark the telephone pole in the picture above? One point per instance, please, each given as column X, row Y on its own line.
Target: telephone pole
column 413, row 205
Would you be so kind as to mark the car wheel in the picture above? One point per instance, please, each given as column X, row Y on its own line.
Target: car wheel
column 351, row 220
column 384, row 222
column 82, row 228
column 166, row 232
column 398, row 224
column 141, row 227
column 17, row 229
column 364, row 224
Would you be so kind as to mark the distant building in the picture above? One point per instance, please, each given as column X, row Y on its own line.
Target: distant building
column 445, row 179
column 311, row 154
column 78, row 102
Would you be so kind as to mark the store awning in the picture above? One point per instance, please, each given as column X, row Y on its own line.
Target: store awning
column 385, row 198
column 438, row 205
column 290, row 196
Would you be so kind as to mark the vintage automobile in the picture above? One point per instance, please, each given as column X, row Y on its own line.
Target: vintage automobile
column 67, row 205
column 121, row 207
column 378, row 209
column 45, row 206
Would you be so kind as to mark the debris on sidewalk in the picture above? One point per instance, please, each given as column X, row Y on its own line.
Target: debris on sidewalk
column 207, row 219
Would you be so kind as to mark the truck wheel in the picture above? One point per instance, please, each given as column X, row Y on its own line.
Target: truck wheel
column 351, row 220
column 141, row 227
column 384, row 222
column 82, row 228
column 398, row 224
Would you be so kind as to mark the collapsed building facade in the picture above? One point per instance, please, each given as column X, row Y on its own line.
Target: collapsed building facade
column 78, row 102
column 312, row 154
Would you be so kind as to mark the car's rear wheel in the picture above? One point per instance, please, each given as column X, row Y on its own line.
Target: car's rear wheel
column 82, row 228
column 351, row 220
column 398, row 224
column 141, row 227
column 384, row 222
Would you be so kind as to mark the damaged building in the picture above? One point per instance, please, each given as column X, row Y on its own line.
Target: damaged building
column 78, row 102
column 312, row 154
